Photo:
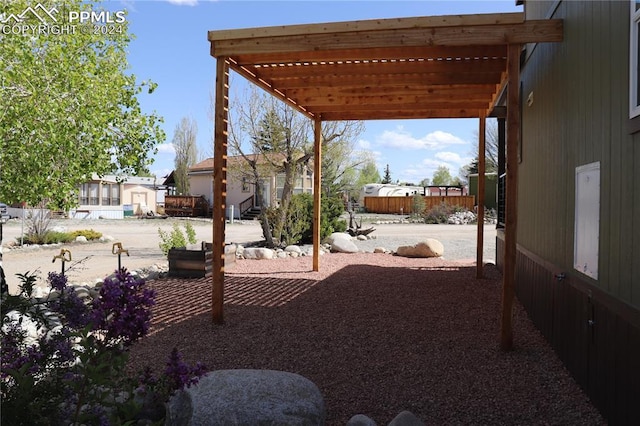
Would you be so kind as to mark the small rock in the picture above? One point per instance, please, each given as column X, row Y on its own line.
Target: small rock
column 293, row 249
column 258, row 253
column 361, row 420
column 81, row 239
column 362, row 238
column 380, row 250
column 282, row 254
column 294, row 254
column 406, row 418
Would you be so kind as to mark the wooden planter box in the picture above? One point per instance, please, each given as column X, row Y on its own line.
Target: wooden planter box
column 196, row 263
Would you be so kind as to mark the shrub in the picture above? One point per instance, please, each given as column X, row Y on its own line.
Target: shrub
column 176, row 238
column 49, row 237
column 89, row 234
column 439, row 213
column 71, row 366
column 299, row 225
column 418, row 205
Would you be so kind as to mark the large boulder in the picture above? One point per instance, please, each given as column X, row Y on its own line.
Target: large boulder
column 258, row 253
column 427, row 248
column 340, row 245
column 248, row 397
column 341, row 236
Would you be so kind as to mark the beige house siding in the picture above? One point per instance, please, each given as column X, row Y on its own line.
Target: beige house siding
column 111, row 198
column 201, row 183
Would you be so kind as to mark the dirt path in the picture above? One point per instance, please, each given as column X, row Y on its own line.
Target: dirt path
column 141, row 238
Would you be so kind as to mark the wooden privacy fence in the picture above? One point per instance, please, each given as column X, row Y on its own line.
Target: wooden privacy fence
column 404, row 205
column 186, row 205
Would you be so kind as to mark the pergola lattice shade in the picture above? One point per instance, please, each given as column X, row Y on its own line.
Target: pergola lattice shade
column 430, row 67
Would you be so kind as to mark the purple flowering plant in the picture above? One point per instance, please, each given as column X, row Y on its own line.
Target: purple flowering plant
column 64, row 357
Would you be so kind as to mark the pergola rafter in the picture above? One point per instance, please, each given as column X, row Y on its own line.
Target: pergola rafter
column 406, row 68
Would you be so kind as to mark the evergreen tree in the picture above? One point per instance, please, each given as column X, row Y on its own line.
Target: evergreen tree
column 387, row 175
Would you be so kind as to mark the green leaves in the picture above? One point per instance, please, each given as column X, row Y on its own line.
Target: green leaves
column 68, row 109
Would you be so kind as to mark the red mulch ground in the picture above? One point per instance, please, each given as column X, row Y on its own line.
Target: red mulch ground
column 378, row 334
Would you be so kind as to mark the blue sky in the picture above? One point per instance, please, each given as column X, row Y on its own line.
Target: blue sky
column 171, row 48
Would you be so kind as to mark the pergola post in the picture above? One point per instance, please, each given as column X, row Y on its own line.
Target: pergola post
column 481, row 184
column 511, row 202
column 317, row 190
column 219, row 186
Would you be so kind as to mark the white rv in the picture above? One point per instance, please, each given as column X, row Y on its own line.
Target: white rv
column 388, row 190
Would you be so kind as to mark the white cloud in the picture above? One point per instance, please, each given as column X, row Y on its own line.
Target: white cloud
column 433, row 164
column 453, row 158
column 401, row 139
column 166, row 148
column 184, row 2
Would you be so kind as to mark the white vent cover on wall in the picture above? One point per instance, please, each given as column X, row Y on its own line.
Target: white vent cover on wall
column 587, row 220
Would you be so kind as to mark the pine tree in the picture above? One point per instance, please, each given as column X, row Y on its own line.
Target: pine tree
column 387, row 175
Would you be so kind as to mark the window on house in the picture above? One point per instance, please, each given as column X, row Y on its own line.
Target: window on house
column 84, row 194
column 110, row 194
column 94, row 197
column 105, row 195
column 634, row 56
column 115, row 195
column 245, row 184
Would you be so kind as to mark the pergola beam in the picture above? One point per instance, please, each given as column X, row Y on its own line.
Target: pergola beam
column 336, row 81
column 441, row 91
column 373, row 68
column 397, row 114
column 370, row 54
column 548, row 30
column 369, row 25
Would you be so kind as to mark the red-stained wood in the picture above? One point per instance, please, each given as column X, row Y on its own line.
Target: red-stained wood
column 481, row 184
column 317, row 191
column 219, row 187
column 511, row 202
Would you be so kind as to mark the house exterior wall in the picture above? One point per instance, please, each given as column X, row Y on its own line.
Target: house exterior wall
column 579, row 116
column 201, row 183
column 97, row 200
column 578, row 91
column 139, row 196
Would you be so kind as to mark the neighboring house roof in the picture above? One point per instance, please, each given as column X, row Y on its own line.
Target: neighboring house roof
column 128, row 180
column 169, row 180
column 233, row 160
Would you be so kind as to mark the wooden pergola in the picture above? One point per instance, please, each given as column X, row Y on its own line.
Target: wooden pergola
column 407, row 68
